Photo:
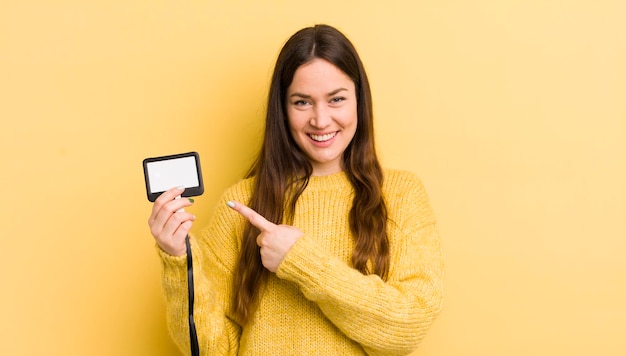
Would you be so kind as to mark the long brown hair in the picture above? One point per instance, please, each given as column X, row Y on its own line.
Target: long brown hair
column 281, row 170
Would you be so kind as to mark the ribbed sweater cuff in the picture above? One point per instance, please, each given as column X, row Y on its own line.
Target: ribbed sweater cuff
column 174, row 267
column 304, row 263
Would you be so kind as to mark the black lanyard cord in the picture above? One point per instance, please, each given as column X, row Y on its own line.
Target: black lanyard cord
column 195, row 350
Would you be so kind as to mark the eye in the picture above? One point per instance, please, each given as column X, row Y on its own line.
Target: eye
column 337, row 99
column 301, row 104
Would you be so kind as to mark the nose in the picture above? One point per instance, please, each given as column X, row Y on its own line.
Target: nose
column 321, row 117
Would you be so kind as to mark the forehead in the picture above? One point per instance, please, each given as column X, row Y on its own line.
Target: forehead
column 319, row 75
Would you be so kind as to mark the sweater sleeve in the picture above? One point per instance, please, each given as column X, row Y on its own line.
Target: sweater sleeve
column 386, row 317
column 218, row 333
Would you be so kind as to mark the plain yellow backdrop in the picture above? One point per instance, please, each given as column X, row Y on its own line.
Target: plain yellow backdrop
column 512, row 112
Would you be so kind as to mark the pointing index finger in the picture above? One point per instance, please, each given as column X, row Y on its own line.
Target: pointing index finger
column 256, row 219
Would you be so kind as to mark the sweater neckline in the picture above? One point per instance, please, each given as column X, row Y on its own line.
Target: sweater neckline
column 331, row 181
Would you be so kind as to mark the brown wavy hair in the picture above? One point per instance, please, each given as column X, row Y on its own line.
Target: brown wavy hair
column 281, row 170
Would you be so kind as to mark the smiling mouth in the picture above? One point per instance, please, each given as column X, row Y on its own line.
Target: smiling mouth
column 322, row 138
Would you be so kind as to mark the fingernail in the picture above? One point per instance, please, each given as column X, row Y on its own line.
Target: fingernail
column 191, row 200
column 230, row 203
column 181, row 187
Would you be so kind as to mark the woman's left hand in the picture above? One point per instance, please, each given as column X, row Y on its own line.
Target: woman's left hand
column 274, row 240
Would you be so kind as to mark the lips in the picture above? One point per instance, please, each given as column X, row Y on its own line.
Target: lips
column 323, row 138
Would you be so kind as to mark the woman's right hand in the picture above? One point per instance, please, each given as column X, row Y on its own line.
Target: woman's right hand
column 168, row 225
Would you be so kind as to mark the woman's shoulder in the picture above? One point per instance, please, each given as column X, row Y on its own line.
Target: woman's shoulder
column 405, row 194
column 400, row 180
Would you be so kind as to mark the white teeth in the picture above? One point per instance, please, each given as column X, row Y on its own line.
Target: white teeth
column 322, row 138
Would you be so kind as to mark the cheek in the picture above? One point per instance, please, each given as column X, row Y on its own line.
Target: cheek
column 296, row 120
column 349, row 116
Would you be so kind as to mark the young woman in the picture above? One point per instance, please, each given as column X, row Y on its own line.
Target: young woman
column 319, row 250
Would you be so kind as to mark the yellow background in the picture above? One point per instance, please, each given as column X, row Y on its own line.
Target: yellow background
column 512, row 112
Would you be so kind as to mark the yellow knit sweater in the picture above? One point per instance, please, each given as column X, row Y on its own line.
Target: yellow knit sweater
column 316, row 303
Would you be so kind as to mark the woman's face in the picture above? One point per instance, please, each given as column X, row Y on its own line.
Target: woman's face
column 322, row 114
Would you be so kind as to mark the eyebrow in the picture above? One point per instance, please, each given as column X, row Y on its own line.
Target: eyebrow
column 305, row 96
